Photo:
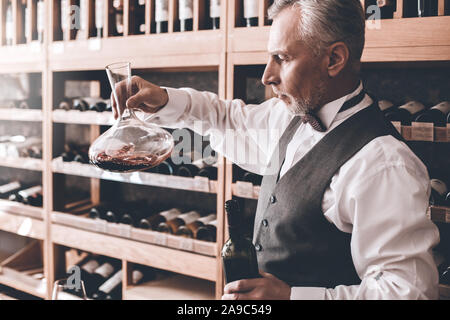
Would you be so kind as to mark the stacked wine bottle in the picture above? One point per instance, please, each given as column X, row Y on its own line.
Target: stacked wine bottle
column 29, row 194
column 20, row 146
column 190, row 224
column 86, row 104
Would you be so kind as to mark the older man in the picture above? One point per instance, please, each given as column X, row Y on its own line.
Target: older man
column 343, row 216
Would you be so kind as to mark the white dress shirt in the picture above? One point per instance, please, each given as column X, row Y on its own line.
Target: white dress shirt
column 380, row 195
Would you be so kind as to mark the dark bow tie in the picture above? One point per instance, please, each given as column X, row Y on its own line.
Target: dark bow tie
column 315, row 122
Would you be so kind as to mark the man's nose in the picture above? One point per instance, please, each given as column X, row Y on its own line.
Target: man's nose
column 271, row 75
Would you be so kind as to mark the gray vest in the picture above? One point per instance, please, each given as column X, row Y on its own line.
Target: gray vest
column 293, row 239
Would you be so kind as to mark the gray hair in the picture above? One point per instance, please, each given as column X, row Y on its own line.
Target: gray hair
column 324, row 22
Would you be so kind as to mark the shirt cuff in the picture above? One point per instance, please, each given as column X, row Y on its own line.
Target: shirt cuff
column 176, row 105
column 307, row 293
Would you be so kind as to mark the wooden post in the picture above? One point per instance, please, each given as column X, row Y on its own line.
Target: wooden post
column 398, row 14
column 173, row 15
column 441, row 7
column 149, row 11
column 126, row 16
column 95, row 183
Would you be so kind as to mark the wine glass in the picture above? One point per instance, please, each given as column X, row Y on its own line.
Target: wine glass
column 68, row 289
column 130, row 144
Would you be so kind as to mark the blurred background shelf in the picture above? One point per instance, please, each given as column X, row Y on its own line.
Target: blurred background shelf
column 21, row 115
column 187, row 263
column 22, row 163
column 199, row 184
column 177, row 287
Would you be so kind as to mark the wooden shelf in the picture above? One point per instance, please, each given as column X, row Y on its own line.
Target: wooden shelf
column 199, row 184
column 22, row 225
column 391, row 42
column 21, row 115
column 187, row 263
column 176, row 287
column 245, row 190
column 22, row 163
column 421, row 131
column 23, row 282
column 137, row 234
column 22, row 58
column 21, row 209
column 439, row 214
column 83, row 117
column 200, row 48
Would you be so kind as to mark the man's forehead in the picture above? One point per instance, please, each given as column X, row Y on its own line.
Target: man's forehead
column 284, row 32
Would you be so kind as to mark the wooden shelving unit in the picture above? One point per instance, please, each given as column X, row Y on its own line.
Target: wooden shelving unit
column 197, row 262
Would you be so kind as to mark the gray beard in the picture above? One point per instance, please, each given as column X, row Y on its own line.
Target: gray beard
column 300, row 107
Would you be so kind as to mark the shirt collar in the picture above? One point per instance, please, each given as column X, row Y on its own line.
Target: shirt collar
column 329, row 111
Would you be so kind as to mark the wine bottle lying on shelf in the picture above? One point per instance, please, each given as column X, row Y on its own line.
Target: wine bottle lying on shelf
column 171, row 226
column 201, row 167
column 31, row 196
column 207, row 232
column 255, row 179
column 135, row 216
column 101, row 274
column 9, row 188
column 386, row 106
column 406, row 113
column 75, row 153
column 111, row 289
column 436, row 115
column 190, row 230
column 438, row 193
column 98, row 212
column 152, row 222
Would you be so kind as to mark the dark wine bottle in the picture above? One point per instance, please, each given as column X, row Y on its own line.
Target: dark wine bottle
column 114, row 215
column 439, row 192
column 164, row 168
column 152, row 222
column 162, row 15
column 214, row 13
column 171, row 226
column 98, row 212
column 444, row 278
column 185, row 14
column 406, row 113
column 238, row 253
column 386, row 106
column 111, row 289
column 207, row 232
column 387, row 8
column 137, row 14
column 133, row 217
column 66, row 104
column 87, row 268
column 80, row 104
column 436, row 115
column 427, row 8
column 101, row 274
column 190, row 230
column 255, row 179
column 251, row 13
column 10, row 188
column 30, row 196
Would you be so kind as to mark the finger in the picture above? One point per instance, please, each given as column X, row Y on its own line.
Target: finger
column 241, row 285
column 231, row 296
column 266, row 275
column 139, row 99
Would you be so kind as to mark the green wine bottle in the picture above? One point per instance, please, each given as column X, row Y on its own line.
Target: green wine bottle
column 238, row 253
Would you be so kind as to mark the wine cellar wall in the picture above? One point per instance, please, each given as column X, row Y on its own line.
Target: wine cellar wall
column 59, row 211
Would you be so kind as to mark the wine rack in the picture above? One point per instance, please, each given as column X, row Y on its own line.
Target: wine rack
column 232, row 50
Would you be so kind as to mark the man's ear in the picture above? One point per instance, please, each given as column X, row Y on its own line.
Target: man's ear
column 338, row 56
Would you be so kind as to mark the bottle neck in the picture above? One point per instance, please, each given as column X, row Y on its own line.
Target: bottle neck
column 235, row 233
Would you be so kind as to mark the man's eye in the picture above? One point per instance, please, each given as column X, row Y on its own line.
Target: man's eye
column 280, row 57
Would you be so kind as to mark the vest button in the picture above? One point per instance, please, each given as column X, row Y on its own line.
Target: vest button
column 273, row 199
column 265, row 223
column 258, row 247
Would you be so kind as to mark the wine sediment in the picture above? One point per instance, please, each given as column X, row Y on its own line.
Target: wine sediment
column 126, row 163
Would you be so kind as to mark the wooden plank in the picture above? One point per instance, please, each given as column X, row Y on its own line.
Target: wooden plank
column 21, row 115
column 398, row 14
column 126, row 17
column 173, row 15
column 187, row 263
column 173, row 287
column 16, row 19
column 22, row 225
column 22, row 163
column 412, row 53
column 2, row 21
column 23, row 282
column 199, row 184
column 441, row 7
column 149, row 10
column 18, row 208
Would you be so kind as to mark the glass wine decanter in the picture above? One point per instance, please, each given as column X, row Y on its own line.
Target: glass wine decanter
column 130, row 144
